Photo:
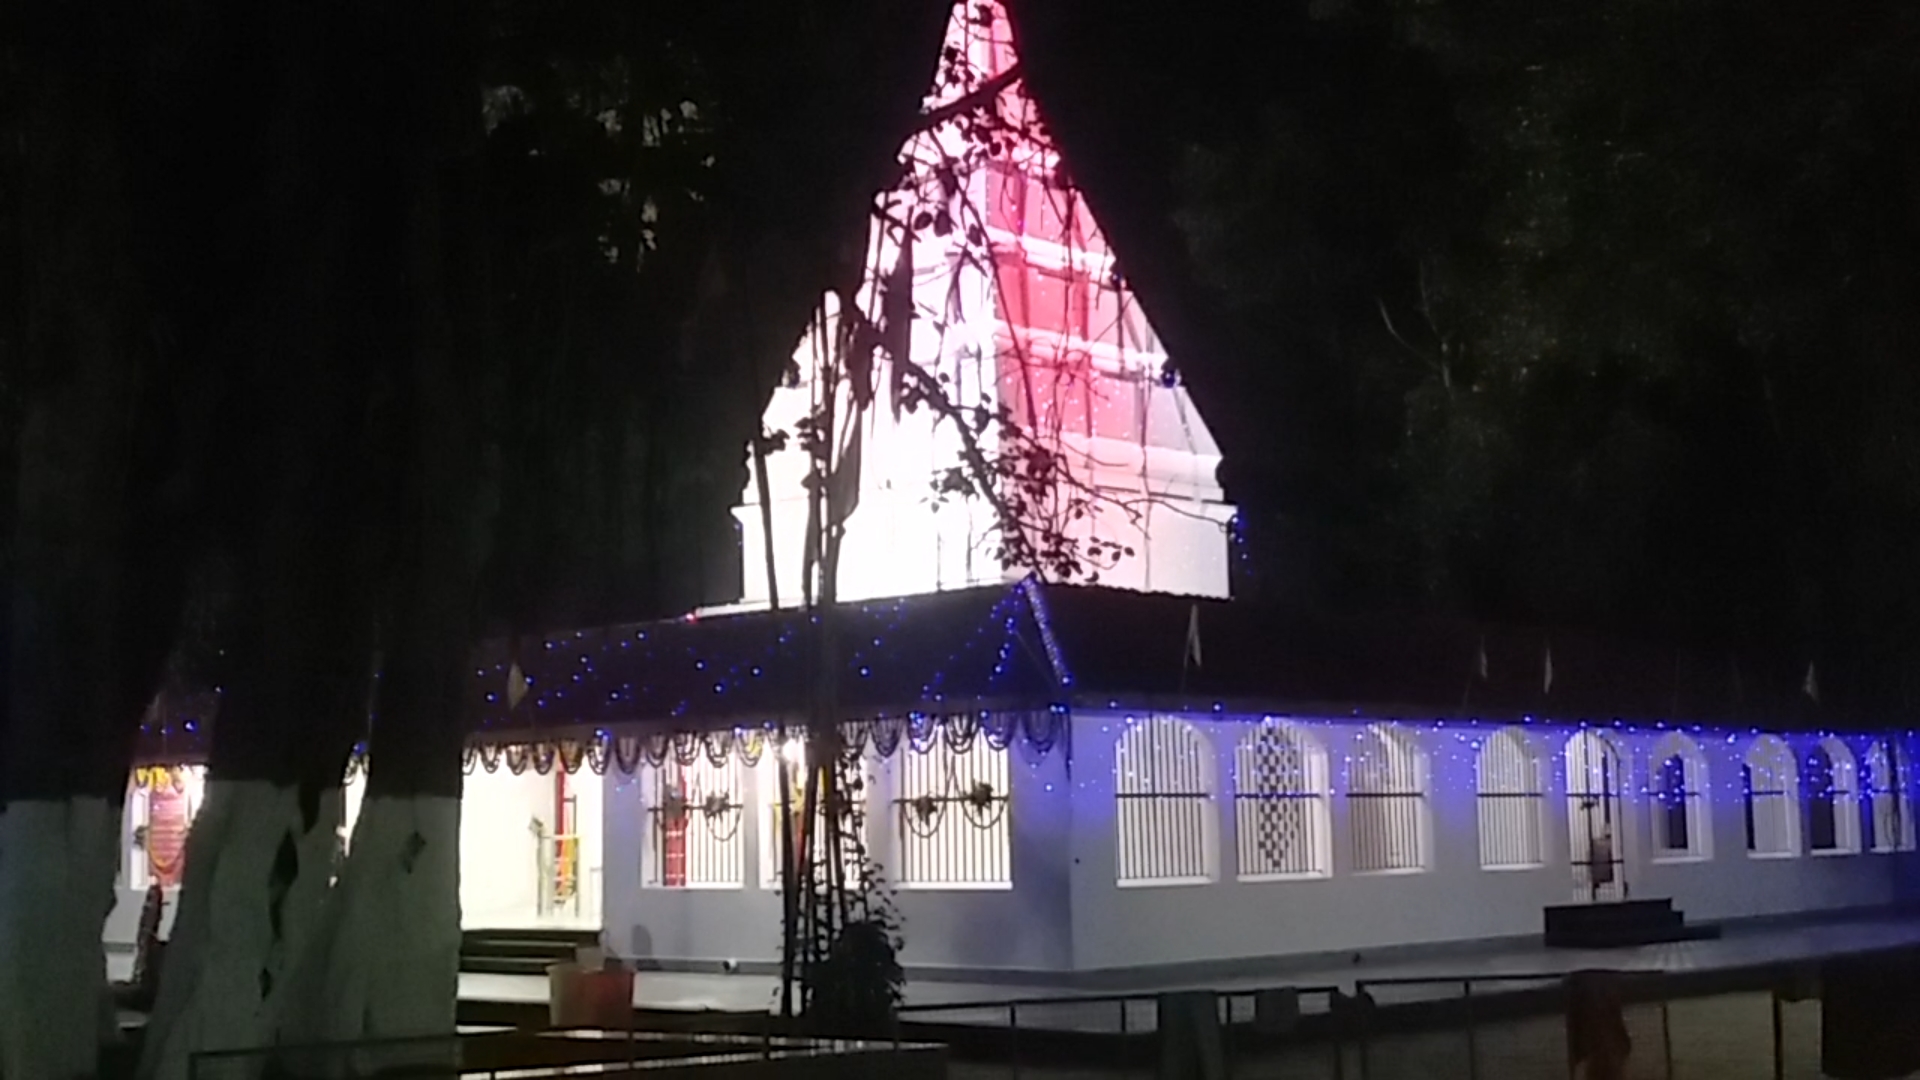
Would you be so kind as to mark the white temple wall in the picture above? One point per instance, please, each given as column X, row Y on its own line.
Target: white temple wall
column 970, row 927
column 1453, row 898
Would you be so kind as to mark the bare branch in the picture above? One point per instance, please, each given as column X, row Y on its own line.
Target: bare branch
column 979, row 97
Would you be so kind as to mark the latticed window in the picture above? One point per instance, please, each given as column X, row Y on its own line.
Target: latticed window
column 1833, row 799
column 1163, row 788
column 954, row 830
column 1511, row 802
column 808, row 829
column 1770, row 783
column 695, row 814
column 1387, row 801
column 1682, row 828
column 1890, row 796
column 1283, row 823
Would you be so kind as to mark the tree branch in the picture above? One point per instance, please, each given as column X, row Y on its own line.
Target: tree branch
column 979, row 97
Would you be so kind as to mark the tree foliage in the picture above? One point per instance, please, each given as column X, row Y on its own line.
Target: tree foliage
column 1587, row 313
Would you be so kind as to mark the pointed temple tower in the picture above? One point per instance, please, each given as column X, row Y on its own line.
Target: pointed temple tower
column 1018, row 300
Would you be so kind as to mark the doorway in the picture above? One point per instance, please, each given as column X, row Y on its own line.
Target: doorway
column 1595, row 830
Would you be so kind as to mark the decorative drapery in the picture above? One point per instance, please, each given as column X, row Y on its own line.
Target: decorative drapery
column 881, row 737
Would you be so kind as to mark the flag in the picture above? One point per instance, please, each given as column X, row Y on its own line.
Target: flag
column 1547, row 683
column 516, row 687
column 1193, row 637
column 1810, row 686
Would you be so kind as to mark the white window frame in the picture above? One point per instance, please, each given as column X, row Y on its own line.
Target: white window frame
column 766, row 784
column 1510, row 799
column 1388, row 781
column 1845, row 798
column 1165, row 784
column 1772, row 798
column 716, row 832
column 953, row 817
column 1696, row 805
column 1299, row 788
column 1889, row 783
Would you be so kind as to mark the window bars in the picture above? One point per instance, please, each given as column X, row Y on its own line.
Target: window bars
column 1770, row 783
column 1833, row 798
column 1511, row 801
column 1595, row 830
column 851, row 847
column 1283, row 823
column 1681, row 826
column 694, row 823
column 1163, row 792
column 1387, row 802
column 1890, row 797
column 951, row 811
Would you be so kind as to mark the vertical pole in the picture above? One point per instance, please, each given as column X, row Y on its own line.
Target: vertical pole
column 1779, row 1040
column 1473, row 1049
column 1666, row 1034
column 1013, row 1037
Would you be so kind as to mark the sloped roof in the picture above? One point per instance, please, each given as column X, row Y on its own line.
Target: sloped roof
column 975, row 648
column 1027, row 646
column 1130, row 650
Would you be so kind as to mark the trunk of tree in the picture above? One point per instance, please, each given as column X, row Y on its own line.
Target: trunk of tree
column 298, row 483
column 86, row 636
column 389, row 965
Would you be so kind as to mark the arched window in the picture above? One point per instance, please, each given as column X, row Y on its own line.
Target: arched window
column 1387, row 801
column 1596, row 832
column 1283, row 822
column 1511, row 799
column 1770, row 783
column 1833, row 798
column 1163, row 788
column 1682, row 825
column 1888, row 779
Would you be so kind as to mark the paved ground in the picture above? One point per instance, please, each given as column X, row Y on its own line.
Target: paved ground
column 1740, row 948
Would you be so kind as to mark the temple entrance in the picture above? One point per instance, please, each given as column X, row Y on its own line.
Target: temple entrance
column 1594, row 827
column 530, row 849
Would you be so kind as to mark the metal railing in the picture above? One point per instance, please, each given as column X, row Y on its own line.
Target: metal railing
column 533, row 1056
column 1479, row 1027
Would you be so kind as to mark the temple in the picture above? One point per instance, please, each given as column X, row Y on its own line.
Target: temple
column 1075, row 779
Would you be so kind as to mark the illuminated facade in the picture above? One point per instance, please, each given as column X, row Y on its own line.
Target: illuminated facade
column 1070, row 780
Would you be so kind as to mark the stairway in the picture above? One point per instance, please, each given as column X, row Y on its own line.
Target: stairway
column 520, row 951
column 1620, row 925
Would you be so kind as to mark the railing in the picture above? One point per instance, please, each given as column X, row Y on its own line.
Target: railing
column 524, row 1056
column 1490, row 1027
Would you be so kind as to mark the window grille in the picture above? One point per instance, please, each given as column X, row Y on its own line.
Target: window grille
column 1283, row 823
column 1682, row 826
column 1833, row 798
column 1770, row 783
column 953, row 826
column 1512, row 802
column 694, row 823
column 1596, row 773
column 1890, row 797
column 1387, row 801
column 851, row 847
column 1163, row 789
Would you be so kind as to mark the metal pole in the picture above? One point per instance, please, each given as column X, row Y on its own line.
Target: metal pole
column 1473, row 1048
column 1666, row 1035
column 1779, row 1040
column 1013, row 1036
column 1126, row 1053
